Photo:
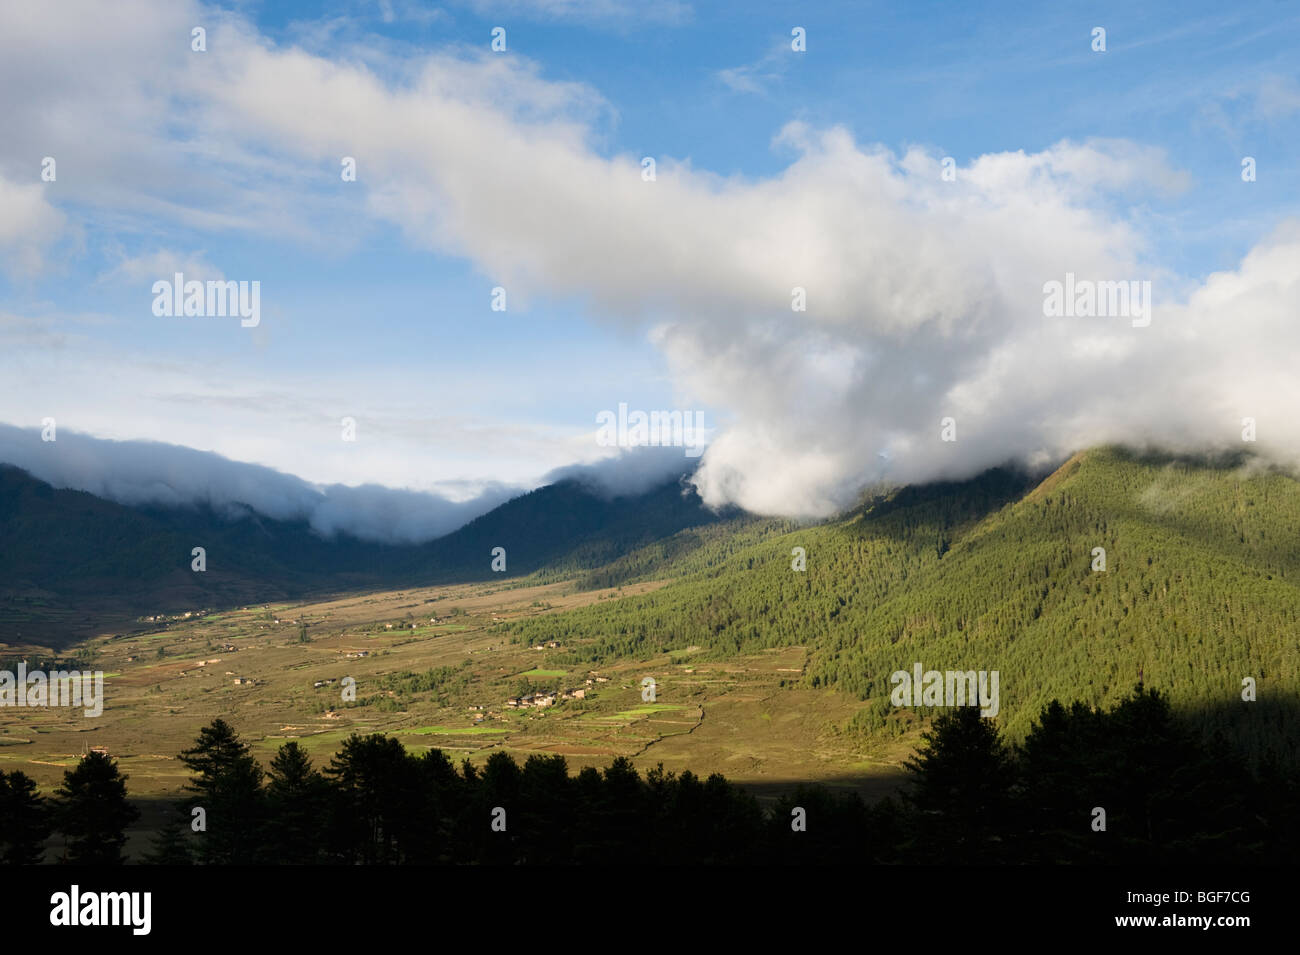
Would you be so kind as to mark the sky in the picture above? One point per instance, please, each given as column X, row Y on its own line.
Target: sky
column 795, row 146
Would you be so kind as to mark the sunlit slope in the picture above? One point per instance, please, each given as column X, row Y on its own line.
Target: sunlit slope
column 1199, row 592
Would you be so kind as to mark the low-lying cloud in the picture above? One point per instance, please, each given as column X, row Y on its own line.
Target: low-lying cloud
column 630, row 472
column 139, row 473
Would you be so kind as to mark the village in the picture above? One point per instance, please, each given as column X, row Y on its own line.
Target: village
column 546, row 698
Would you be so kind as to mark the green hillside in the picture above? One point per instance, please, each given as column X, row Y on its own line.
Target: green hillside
column 1199, row 592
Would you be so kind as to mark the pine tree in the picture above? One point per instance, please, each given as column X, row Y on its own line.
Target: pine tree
column 171, row 845
column 378, row 803
column 228, row 787
column 24, row 820
column 962, row 779
column 297, row 799
column 92, row 812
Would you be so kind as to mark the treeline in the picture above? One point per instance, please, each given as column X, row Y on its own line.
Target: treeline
column 90, row 811
column 704, row 549
column 44, row 662
column 1122, row 785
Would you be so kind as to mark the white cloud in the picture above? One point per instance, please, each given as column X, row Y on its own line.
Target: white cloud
column 147, row 472
column 669, row 12
column 29, row 226
column 161, row 264
column 925, row 297
column 757, row 76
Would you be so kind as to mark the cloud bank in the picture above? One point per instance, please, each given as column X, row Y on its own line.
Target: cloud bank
column 923, row 292
column 137, row 473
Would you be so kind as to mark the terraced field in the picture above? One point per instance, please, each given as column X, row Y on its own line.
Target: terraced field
column 433, row 668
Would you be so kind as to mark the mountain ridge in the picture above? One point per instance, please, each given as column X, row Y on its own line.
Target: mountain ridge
column 67, row 556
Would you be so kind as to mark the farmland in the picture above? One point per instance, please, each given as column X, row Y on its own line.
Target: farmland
column 433, row 668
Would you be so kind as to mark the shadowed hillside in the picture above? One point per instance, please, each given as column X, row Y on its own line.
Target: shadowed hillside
column 71, row 561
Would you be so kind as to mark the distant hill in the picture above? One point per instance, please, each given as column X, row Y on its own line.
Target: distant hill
column 69, row 560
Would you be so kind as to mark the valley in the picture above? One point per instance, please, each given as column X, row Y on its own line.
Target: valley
column 730, row 716
column 770, row 669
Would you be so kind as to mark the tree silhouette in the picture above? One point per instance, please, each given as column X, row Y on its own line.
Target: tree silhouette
column 24, row 820
column 172, row 843
column 92, row 812
column 378, row 798
column 1170, row 796
column 297, row 808
column 228, row 787
column 962, row 779
column 1064, row 768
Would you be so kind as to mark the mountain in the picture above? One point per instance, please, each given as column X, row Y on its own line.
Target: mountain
column 565, row 528
column 69, row 561
column 1200, row 591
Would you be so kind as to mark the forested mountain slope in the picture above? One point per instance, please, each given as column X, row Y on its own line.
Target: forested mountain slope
column 1199, row 592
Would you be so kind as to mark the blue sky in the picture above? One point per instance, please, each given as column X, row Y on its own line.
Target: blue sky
column 375, row 293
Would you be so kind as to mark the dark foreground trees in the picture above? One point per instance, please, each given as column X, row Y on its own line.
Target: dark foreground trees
column 227, row 792
column 297, row 801
column 1128, row 784
column 1162, row 794
column 92, row 812
column 24, row 820
column 1120, row 785
column 963, row 777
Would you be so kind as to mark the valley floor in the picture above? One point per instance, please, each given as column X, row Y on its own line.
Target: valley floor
column 434, row 669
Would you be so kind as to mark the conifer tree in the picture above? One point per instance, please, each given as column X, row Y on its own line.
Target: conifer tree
column 92, row 812
column 228, row 788
column 24, row 820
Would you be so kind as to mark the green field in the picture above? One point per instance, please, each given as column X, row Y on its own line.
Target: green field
column 646, row 710
column 453, row 731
